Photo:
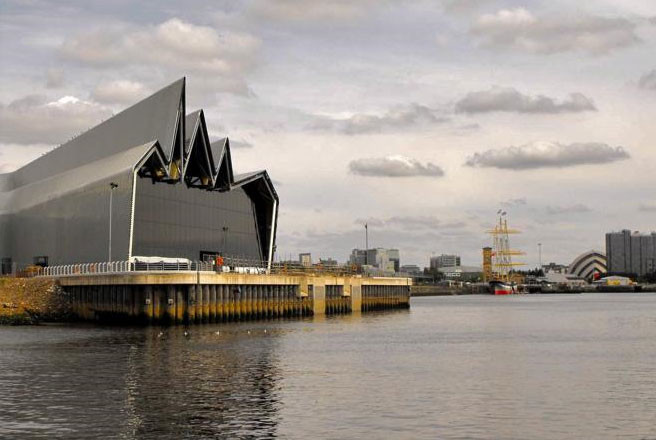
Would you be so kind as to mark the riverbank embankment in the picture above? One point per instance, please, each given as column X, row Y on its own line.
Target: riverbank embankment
column 437, row 290
column 32, row 300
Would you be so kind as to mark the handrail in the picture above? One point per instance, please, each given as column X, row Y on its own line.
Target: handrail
column 219, row 265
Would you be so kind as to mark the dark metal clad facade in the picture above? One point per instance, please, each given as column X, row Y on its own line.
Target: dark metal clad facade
column 177, row 221
column 58, row 206
column 74, row 227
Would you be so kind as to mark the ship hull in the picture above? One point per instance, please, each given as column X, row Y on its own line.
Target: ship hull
column 501, row 288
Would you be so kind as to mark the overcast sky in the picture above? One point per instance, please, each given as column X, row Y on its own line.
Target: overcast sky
column 422, row 118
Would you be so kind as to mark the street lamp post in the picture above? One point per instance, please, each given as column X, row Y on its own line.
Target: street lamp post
column 540, row 256
column 112, row 187
column 225, row 239
column 366, row 244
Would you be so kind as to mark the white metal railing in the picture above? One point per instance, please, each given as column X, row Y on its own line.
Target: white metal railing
column 219, row 264
column 123, row 267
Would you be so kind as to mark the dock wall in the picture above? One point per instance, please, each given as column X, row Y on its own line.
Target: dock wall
column 201, row 297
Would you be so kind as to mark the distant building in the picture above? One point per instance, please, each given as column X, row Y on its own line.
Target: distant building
column 410, row 269
column 487, row 263
column 328, row 262
column 561, row 278
column 554, row 268
column 631, row 253
column 462, row 273
column 305, row 259
column 386, row 260
column 586, row 264
column 394, row 257
column 358, row 257
column 444, row 260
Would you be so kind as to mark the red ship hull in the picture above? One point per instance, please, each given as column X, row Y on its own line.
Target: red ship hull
column 501, row 288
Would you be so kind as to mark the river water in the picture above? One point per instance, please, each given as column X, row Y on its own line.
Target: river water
column 475, row 367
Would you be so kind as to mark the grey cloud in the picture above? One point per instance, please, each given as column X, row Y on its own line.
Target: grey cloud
column 54, row 78
column 240, row 144
column 470, row 127
column 393, row 166
column 571, row 209
column 370, row 221
column 35, row 119
column 398, row 118
column 312, row 10
column 411, row 223
column 504, row 99
column 648, row 81
column 222, row 58
column 547, row 155
column 415, row 222
column 514, row 202
column 120, row 92
column 464, row 6
column 521, row 30
column 647, row 207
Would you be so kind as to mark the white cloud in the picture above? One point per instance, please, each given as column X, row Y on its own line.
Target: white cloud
column 35, row 119
column 521, row 30
column 393, row 166
column 506, row 99
column 397, row 118
column 547, row 155
column 648, row 81
column 174, row 46
column 120, row 92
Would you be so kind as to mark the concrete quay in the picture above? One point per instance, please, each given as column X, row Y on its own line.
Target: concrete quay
column 206, row 297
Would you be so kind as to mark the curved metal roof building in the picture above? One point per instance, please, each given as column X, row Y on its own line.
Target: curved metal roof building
column 146, row 182
column 587, row 263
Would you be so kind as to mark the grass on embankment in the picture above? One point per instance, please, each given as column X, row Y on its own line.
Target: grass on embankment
column 32, row 300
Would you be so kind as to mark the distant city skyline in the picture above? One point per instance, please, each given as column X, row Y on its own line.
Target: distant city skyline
column 542, row 108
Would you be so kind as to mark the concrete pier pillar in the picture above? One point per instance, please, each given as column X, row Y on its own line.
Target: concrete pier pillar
column 147, row 303
column 206, row 304
column 199, row 304
column 318, row 297
column 180, row 305
column 191, row 303
column 268, row 301
column 213, row 304
column 258, row 302
column 169, row 305
column 246, row 302
column 157, row 303
column 229, row 296
column 277, row 306
column 220, row 297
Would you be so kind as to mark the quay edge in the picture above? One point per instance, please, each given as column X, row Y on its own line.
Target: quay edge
column 201, row 297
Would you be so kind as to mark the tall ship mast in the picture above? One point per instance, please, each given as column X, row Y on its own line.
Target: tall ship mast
column 497, row 260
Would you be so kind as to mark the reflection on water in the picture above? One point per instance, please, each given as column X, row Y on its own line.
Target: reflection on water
column 570, row 366
column 84, row 381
